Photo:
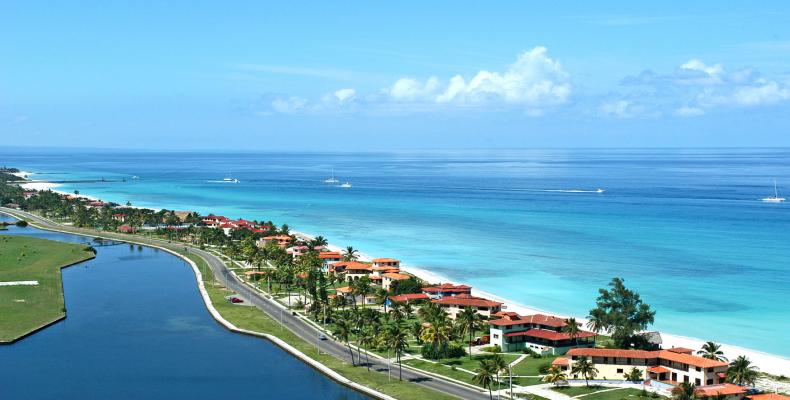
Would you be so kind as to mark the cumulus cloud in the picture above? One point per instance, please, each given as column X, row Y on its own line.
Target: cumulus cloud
column 533, row 80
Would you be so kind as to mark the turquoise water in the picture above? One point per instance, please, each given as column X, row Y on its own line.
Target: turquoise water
column 685, row 227
column 137, row 328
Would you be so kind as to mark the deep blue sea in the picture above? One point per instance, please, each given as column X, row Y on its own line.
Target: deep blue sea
column 136, row 328
column 684, row 227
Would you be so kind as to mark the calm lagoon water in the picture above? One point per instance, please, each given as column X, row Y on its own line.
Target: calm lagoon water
column 684, row 227
column 137, row 329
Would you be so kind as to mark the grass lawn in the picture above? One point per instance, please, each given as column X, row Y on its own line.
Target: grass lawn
column 619, row 394
column 441, row 369
column 529, row 366
column 471, row 364
column 26, row 308
column 574, row 391
column 253, row 319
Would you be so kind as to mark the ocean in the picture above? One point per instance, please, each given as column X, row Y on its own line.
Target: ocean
column 684, row 227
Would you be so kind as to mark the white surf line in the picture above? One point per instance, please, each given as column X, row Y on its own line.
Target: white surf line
column 19, row 283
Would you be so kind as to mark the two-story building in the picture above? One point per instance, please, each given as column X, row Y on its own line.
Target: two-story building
column 446, row 290
column 541, row 333
column 389, row 277
column 330, row 257
column 455, row 304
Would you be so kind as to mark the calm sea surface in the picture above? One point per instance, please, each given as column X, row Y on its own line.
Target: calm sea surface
column 137, row 329
column 684, row 227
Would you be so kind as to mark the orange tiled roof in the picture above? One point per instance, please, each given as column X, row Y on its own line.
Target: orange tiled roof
column 396, row 277
column 662, row 354
column 344, row 289
column 724, row 389
column 549, row 335
column 768, row 396
column 561, row 361
column 465, row 300
column 329, row 254
column 538, row 319
column 385, row 260
column 409, row 297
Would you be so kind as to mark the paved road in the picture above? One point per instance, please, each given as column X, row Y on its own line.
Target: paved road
column 294, row 323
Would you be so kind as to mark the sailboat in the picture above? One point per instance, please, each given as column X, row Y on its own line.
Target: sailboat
column 346, row 185
column 228, row 179
column 332, row 179
column 775, row 198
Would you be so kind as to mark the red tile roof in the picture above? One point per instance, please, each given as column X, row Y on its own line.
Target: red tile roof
column 396, row 277
column 448, row 288
column 722, row 389
column 768, row 396
column 538, row 319
column 344, row 289
column 561, row 361
column 465, row 300
column 329, row 254
column 549, row 335
column 355, row 266
column 385, row 260
column 409, row 297
column 662, row 354
column 681, row 350
column 658, row 370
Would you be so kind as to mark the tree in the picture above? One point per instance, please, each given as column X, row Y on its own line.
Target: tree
column 397, row 339
column 366, row 338
column 319, row 241
column 555, row 376
column 742, row 372
column 685, row 391
column 350, row 254
column 634, row 375
column 712, row 351
column 586, row 368
column 572, row 329
column 621, row 312
column 468, row 321
column 499, row 365
column 361, row 287
column 342, row 331
column 484, row 376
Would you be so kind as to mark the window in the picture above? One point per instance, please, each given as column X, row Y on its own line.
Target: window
column 606, row 360
column 686, row 378
column 699, row 369
column 710, row 369
column 709, row 382
column 697, row 382
column 619, row 370
column 628, row 361
column 496, row 336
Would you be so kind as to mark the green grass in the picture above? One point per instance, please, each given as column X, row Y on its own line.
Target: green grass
column 24, row 309
column 574, row 391
column 441, row 369
column 471, row 364
column 619, row 394
column 530, row 366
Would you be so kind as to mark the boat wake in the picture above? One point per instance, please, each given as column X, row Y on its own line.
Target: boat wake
column 565, row 190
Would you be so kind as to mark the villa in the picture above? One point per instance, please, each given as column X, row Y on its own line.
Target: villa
column 281, row 240
column 410, row 298
column 119, row 217
column 214, row 221
column 670, row 366
column 541, row 333
column 353, row 270
column 329, row 257
column 446, row 289
column 389, row 277
column 455, row 304
column 386, row 263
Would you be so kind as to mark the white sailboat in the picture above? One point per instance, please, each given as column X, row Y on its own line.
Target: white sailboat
column 332, row 179
column 346, row 185
column 229, row 179
column 775, row 198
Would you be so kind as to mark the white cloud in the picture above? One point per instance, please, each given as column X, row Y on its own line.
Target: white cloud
column 686, row 111
column 697, row 65
column 533, row 79
column 625, row 109
column 344, row 95
column 289, row 105
column 762, row 93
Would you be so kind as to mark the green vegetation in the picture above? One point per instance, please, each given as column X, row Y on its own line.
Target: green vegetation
column 574, row 391
column 621, row 312
column 24, row 309
column 530, row 366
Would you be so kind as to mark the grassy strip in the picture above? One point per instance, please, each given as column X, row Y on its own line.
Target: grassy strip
column 251, row 318
column 531, row 366
column 24, row 309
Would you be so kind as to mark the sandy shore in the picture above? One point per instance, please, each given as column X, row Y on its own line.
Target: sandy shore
column 769, row 363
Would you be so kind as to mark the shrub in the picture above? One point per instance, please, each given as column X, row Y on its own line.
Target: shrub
column 544, row 368
column 21, row 223
column 434, row 352
column 492, row 349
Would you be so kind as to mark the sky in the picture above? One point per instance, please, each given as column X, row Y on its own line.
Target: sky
column 403, row 75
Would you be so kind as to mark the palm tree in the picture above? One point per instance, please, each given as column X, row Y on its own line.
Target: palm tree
column 484, row 375
column 555, row 376
column 408, row 309
column 500, row 364
column 319, row 241
column 712, row 351
column 343, row 332
column 397, row 339
column 365, row 339
column 586, row 368
column 685, row 391
column 362, row 288
column 572, row 329
column 468, row 320
column 381, row 298
column 742, row 372
column 350, row 254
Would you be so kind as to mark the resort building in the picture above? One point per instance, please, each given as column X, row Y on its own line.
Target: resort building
column 214, row 221
column 386, row 263
column 410, row 298
column 455, row 304
column 446, row 289
column 281, row 240
column 768, row 396
column 329, row 257
column 724, row 391
column 669, row 366
column 356, row 270
column 389, row 277
column 541, row 333
column 382, row 268
column 119, row 217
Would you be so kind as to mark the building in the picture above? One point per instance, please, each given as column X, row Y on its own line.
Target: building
column 455, row 304
column 541, row 333
column 379, row 268
column 355, row 270
column 214, row 221
column 669, row 366
column 119, row 217
column 446, row 289
column 724, row 391
column 330, row 257
column 281, row 240
column 389, row 277
column 767, row 396
column 410, row 298
column 386, row 263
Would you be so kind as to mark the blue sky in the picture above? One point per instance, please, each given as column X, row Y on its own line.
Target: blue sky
column 371, row 76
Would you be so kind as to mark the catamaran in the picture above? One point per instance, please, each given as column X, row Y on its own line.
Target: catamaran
column 775, row 198
column 332, row 179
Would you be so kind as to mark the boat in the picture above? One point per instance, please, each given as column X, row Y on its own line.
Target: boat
column 599, row 190
column 775, row 198
column 230, row 180
column 346, row 185
column 135, row 177
column 332, row 179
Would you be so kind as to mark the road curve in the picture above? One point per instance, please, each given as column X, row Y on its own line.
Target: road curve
column 296, row 324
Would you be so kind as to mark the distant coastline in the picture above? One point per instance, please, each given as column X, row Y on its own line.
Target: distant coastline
column 769, row 363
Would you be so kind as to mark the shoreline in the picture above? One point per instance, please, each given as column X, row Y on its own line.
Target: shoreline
column 766, row 362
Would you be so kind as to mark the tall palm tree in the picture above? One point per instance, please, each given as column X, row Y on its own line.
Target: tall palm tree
column 712, row 351
column 586, row 368
column 468, row 320
column 685, row 391
column 408, row 309
column 742, row 372
column 365, row 339
column 342, row 331
column 362, row 288
column 555, row 376
column 381, row 298
column 397, row 339
column 350, row 254
column 572, row 329
column 484, row 376
column 319, row 241
column 500, row 365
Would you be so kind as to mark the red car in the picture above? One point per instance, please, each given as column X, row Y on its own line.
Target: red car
column 236, row 300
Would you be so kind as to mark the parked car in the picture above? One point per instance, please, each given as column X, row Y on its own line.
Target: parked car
column 321, row 337
column 236, row 300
